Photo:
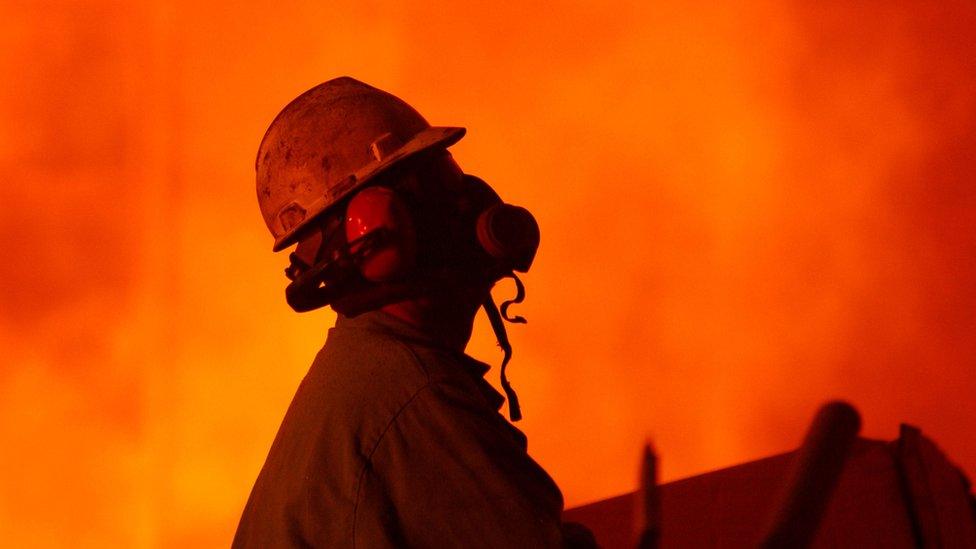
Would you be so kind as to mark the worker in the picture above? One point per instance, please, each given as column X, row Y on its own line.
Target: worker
column 394, row 438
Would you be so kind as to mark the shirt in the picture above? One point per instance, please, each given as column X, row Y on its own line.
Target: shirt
column 394, row 441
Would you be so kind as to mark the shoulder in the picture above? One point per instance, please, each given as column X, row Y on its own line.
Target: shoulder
column 456, row 471
column 364, row 378
column 359, row 381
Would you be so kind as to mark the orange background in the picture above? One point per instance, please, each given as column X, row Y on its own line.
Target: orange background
column 746, row 210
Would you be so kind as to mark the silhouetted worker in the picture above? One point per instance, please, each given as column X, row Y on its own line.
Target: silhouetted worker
column 394, row 437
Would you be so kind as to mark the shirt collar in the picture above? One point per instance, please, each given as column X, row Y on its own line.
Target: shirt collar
column 378, row 321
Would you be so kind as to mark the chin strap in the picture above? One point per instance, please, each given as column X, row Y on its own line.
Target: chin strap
column 498, row 325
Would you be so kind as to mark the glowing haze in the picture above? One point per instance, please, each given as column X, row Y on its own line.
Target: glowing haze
column 746, row 210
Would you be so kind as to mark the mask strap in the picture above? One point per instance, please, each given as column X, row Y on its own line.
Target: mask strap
column 495, row 317
column 519, row 297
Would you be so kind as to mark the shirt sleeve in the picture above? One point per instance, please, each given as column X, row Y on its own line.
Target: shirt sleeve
column 451, row 472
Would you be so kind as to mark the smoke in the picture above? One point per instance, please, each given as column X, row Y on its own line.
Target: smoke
column 745, row 210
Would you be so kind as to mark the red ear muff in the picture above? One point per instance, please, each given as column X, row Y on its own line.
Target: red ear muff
column 509, row 234
column 380, row 209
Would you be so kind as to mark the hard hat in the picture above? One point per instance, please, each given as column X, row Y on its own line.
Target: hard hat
column 330, row 142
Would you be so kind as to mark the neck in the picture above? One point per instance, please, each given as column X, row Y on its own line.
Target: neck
column 446, row 319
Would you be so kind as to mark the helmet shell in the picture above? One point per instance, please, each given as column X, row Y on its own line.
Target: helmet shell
column 330, row 142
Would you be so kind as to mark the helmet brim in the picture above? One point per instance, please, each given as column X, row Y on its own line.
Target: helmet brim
column 427, row 139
